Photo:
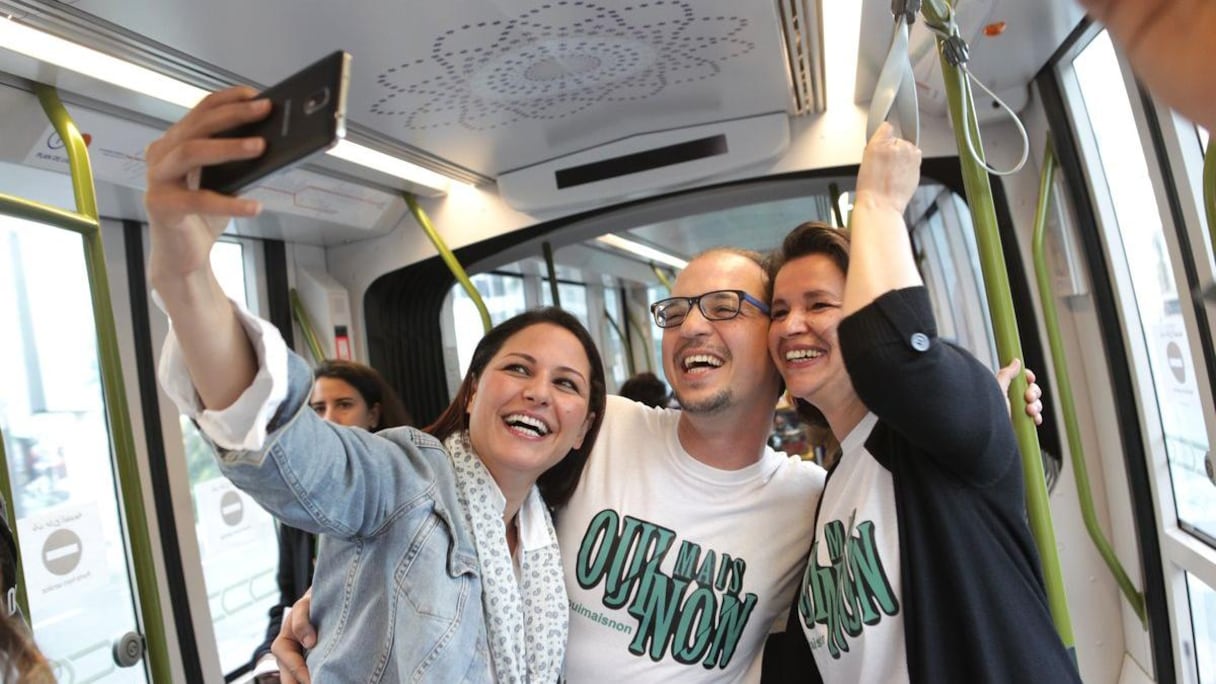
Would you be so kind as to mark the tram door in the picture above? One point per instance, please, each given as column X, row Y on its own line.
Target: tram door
column 237, row 541
column 59, row 453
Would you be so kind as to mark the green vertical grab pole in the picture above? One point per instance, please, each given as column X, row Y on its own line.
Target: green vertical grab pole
column 1004, row 324
column 1076, row 452
column 663, row 279
column 299, row 313
column 112, row 382
column 449, row 259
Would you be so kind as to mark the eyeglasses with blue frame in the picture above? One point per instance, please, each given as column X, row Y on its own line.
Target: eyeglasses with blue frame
column 719, row 305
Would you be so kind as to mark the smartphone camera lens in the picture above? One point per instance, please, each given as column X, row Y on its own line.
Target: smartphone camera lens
column 316, row 101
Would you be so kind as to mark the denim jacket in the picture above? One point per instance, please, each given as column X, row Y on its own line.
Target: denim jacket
column 397, row 588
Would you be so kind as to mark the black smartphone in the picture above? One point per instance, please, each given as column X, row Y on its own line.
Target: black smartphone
column 308, row 115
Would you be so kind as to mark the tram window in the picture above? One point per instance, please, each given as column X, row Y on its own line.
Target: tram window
column 613, row 348
column 238, row 540
column 1203, row 618
column 573, row 296
column 1129, row 194
column 653, row 294
column 57, row 444
column 228, row 262
column 950, row 263
column 503, row 296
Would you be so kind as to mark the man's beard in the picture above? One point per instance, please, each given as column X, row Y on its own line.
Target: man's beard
column 711, row 404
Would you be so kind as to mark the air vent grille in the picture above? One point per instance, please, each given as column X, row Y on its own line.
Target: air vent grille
column 802, row 32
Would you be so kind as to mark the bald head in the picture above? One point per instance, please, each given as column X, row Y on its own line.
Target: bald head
column 736, row 262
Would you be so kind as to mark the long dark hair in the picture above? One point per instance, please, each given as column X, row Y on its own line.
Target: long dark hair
column 18, row 653
column 812, row 237
column 372, row 387
column 557, row 483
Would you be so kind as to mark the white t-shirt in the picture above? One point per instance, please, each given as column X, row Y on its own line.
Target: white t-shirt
column 677, row 571
column 851, row 591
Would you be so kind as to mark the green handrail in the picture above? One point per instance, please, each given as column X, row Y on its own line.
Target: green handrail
column 449, row 259
column 299, row 313
column 6, row 489
column 663, row 279
column 86, row 222
column 1004, row 324
column 1064, row 389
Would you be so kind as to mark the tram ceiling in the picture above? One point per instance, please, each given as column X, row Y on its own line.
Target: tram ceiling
column 494, row 86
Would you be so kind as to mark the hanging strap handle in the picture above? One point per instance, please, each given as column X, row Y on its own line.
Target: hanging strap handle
column 896, row 89
column 958, row 53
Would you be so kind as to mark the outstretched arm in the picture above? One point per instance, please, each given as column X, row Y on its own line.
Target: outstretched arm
column 184, row 223
column 1170, row 46
column 881, row 256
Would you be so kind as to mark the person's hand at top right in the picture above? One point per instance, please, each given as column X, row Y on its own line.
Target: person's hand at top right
column 1171, row 46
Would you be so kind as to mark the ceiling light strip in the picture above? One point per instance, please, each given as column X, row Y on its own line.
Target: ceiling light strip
column 638, row 249
column 65, row 54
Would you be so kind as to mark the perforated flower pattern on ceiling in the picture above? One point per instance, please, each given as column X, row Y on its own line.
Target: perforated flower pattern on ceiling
column 556, row 60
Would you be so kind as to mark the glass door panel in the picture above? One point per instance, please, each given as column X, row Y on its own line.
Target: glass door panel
column 73, row 549
column 1124, row 167
column 238, row 540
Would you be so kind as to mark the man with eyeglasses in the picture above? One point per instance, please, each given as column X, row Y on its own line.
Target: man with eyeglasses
column 687, row 535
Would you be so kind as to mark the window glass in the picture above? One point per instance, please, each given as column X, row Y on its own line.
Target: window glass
column 1140, row 232
column 573, row 296
column 1203, row 620
column 653, row 294
column 503, row 296
column 238, row 540
column 58, row 448
column 614, row 351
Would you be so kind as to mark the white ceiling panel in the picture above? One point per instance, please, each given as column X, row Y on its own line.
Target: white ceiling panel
column 495, row 85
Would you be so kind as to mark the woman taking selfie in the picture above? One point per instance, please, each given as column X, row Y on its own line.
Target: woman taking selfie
column 438, row 559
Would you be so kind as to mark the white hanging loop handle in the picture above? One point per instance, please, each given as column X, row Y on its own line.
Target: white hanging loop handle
column 896, row 88
column 956, row 51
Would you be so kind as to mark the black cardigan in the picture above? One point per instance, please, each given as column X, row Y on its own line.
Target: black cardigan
column 975, row 608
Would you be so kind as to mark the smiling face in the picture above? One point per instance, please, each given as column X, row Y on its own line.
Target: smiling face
column 715, row 365
column 339, row 402
column 531, row 404
column 807, row 295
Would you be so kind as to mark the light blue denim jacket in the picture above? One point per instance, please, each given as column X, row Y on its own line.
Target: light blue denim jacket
column 397, row 588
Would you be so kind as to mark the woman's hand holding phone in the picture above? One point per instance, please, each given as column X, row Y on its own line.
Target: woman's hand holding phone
column 186, row 220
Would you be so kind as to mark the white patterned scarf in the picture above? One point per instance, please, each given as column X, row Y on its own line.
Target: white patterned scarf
column 526, row 620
